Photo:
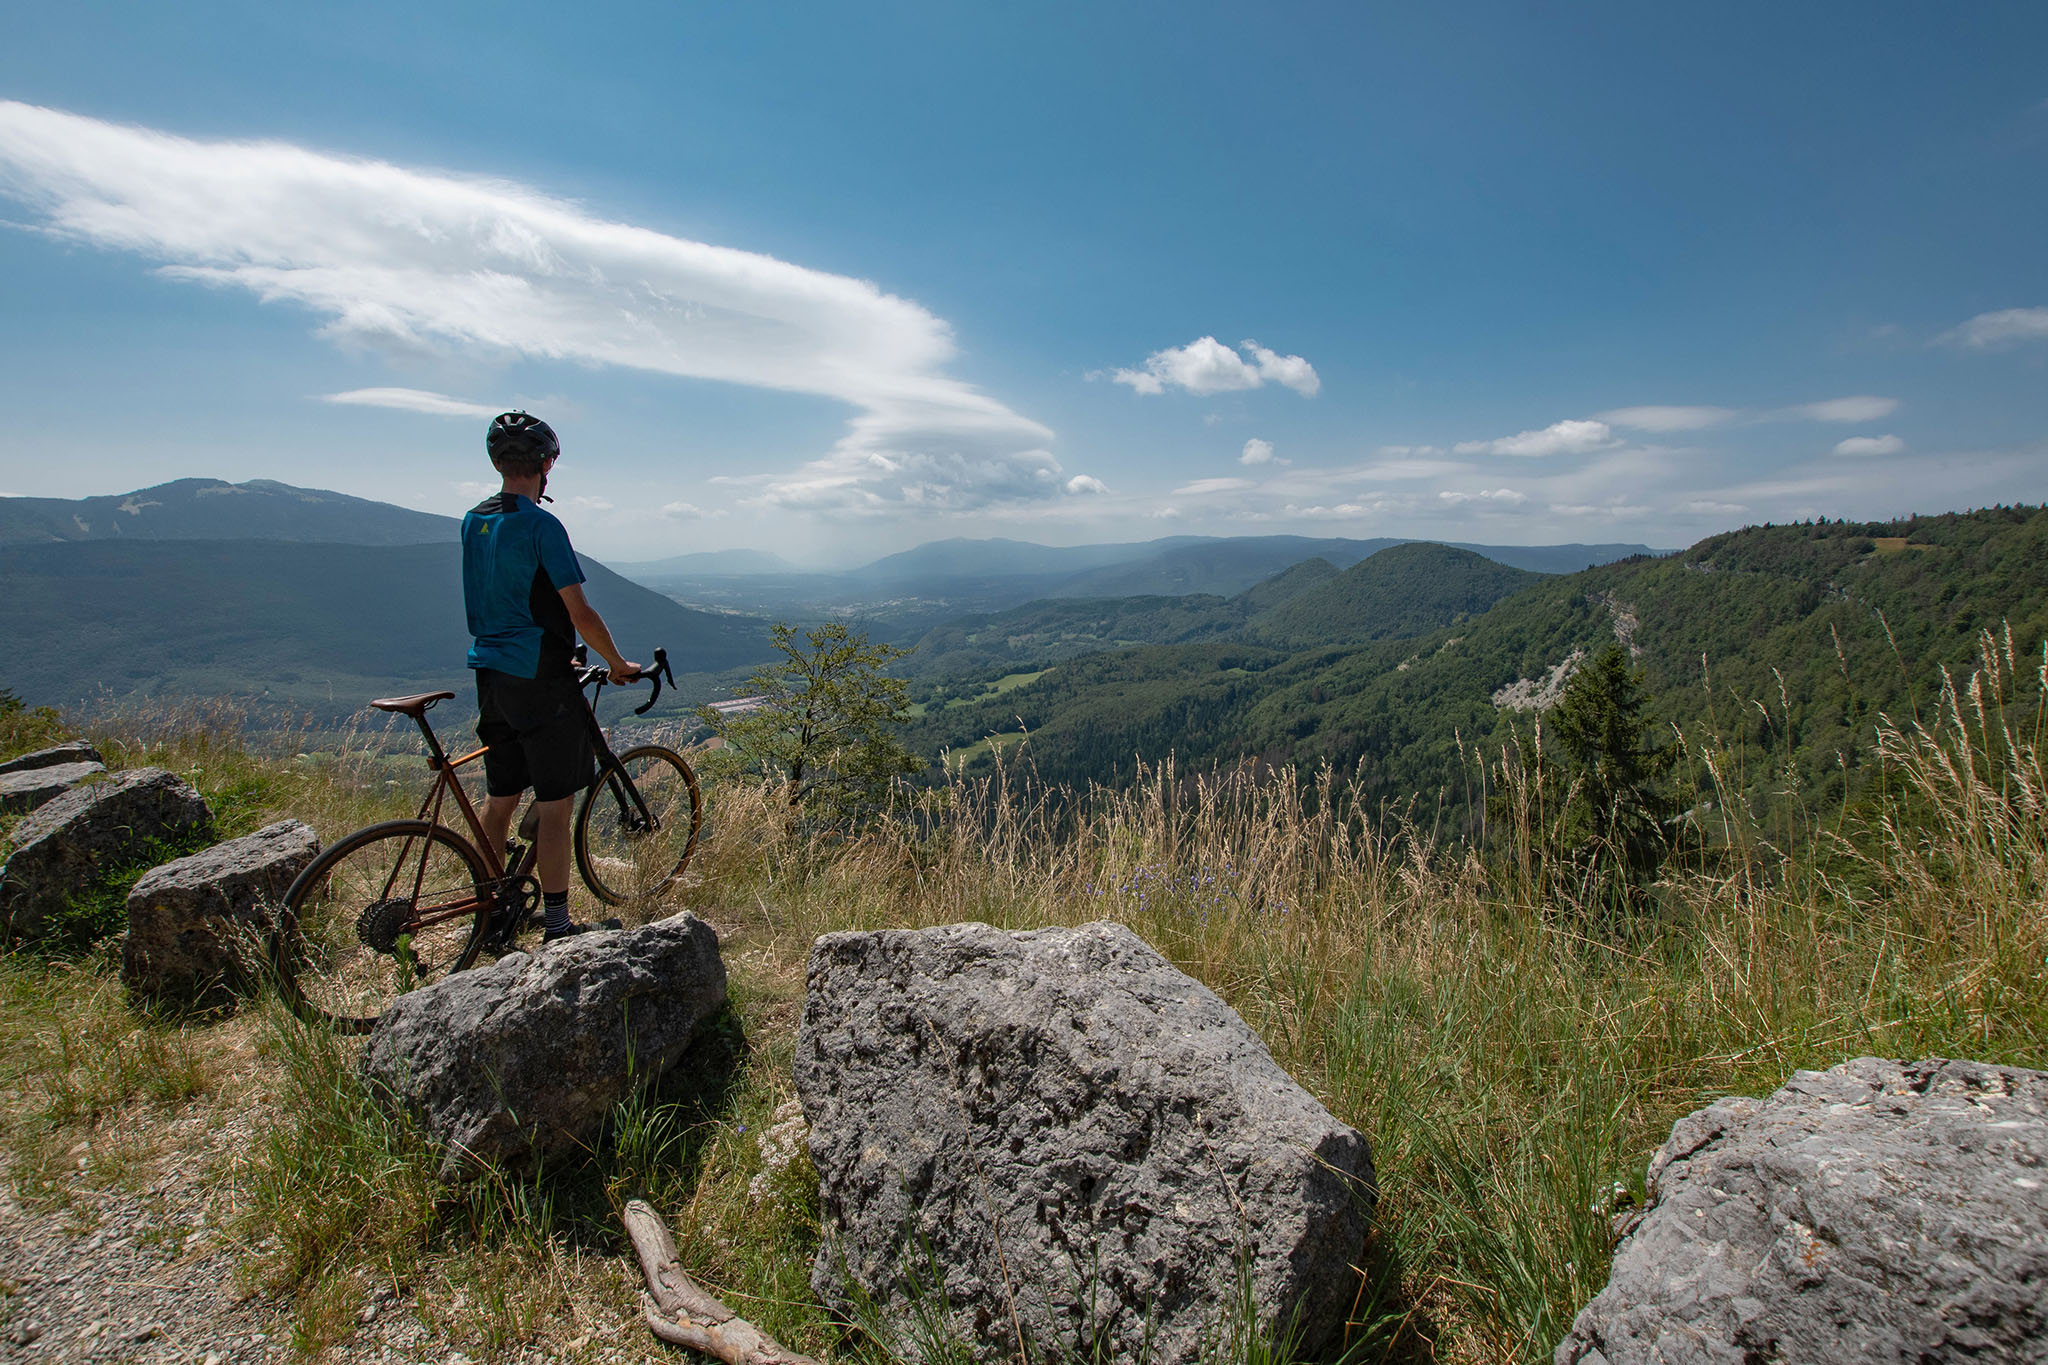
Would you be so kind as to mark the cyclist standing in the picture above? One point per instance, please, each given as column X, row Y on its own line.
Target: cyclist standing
column 523, row 589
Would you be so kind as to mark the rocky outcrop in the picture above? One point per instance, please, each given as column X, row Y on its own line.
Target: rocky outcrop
column 521, row 1061
column 32, row 787
column 1877, row 1211
column 65, row 845
column 198, row 926
column 1056, row 1135
column 71, row 751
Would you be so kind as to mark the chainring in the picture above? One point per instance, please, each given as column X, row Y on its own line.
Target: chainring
column 518, row 901
column 383, row 922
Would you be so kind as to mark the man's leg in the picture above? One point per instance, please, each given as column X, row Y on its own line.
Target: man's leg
column 553, row 840
column 497, row 820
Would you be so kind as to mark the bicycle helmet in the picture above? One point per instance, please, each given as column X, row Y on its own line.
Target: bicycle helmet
column 520, row 438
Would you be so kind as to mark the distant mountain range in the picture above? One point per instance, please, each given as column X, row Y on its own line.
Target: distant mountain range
column 322, row 626
column 904, row 595
column 213, row 509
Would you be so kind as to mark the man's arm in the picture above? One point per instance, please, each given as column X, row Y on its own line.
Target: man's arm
column 592, row 628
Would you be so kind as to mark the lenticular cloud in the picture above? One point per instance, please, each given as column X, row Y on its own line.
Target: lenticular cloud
column 388, row 254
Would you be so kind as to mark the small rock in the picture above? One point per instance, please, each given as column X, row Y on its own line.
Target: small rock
column 27, row 1332
column 200, row 925
column 523, row 1060
column 25, row 791
column 71, row 840
column 147, row 1332
column 73, row 751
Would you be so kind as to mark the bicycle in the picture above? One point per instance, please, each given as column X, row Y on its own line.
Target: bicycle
column 401, row 903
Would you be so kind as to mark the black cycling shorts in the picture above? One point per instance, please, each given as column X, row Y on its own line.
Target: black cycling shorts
column 538, row 733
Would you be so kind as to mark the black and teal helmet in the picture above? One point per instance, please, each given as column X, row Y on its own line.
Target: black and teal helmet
column 520, row 438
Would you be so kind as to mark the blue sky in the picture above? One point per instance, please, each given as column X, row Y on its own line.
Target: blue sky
column 836, row 280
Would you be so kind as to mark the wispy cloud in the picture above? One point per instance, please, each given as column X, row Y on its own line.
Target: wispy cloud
column 1205, row 366
column 2006, row 327
column 413, row 400
column 1861, row 408
column 422, row 259
column 1657, row 418
column 1202, row 486
column 1870, row 445
column 1497, row 497
column 1571, row 437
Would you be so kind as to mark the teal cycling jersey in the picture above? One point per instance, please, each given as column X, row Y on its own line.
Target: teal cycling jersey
column 516, row 559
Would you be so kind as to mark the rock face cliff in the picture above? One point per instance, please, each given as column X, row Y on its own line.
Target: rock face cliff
column 1878, row 1211
column 1056, row 1142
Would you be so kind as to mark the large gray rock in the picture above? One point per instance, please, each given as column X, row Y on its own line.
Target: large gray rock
column 31, row 787
column 1877, row 1211
column 199, row 925
column 521, row 1061
column 1060, row 1126
column 62, row 847
column 71, row 751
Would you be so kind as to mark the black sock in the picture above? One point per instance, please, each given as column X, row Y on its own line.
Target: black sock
column 556, row 906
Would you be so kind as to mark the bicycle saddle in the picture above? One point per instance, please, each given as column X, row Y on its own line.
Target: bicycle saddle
column 414, row 706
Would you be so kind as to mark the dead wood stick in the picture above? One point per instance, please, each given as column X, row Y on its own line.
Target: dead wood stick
column 684, row 1314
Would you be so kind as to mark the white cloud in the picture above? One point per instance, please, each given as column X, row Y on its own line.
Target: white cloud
column 1707, row 507
column 1202, row 486
column 2006, row 327
column 589, row 504
column 1086, row 483
column 1610, row 511
column 471, row 488
column 1668, row 418
column 413, row 400
column 682, row 511
column 1205, row 365
column 1862, row 408
column 1288, row 371
column 1258, row 452
column 1870, row 445
column 1503, row 497
column 429, row 260
column 1570, row 437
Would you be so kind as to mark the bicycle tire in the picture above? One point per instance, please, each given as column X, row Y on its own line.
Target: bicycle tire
column 621, row 862
column 326, row 971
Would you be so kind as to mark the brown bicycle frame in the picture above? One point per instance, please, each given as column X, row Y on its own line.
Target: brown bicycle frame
column 445, row 781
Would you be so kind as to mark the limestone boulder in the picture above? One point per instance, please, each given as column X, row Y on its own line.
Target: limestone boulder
column 521, row 1061
column 71, row 751
column 31, row 787
column 65, row 845
column 1877, row 1211
column 198, row 926
column 1057, row 1135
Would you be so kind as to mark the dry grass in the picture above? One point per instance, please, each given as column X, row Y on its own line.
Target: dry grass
column 1512, row 1055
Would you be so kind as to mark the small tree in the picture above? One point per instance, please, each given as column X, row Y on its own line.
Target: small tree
column 1619, row 803
column 823, row 726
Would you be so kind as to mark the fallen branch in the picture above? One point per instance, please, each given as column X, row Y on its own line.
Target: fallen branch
column 684, row 1314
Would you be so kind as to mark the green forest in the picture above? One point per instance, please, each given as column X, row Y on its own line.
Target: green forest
column 1782, row 642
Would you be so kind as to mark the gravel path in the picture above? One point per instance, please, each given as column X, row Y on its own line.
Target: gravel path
column 104, row 1270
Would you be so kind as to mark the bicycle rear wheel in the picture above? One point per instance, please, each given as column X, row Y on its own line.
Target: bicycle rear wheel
column 634, row 837
column 391, row 907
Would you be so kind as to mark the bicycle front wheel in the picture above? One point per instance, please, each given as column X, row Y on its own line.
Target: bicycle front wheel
column 391, row 907
column 638, row 825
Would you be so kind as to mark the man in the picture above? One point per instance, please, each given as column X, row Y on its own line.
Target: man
column 523, row 590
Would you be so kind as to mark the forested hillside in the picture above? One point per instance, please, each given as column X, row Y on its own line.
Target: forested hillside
column 1780, row 640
